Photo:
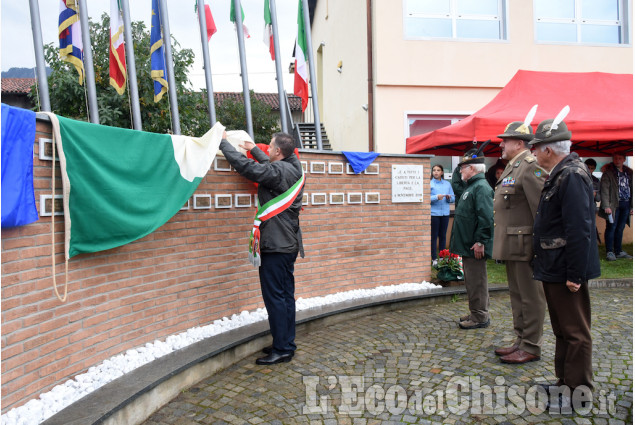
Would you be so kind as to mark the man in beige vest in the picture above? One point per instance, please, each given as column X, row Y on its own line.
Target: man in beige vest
column 516, row 199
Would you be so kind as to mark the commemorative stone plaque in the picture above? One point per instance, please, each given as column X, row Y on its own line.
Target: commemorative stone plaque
column 407, row 183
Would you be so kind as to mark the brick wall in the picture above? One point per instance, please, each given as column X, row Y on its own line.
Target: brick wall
column 190, row 272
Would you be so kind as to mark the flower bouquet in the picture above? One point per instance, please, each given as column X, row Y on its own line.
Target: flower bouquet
column 449, row 266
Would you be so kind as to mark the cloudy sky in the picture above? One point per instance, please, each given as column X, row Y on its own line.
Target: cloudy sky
column 17, row 38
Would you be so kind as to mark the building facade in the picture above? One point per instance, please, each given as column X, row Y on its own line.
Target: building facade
column 418, row 65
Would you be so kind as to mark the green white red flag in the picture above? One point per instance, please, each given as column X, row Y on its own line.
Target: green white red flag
column 120, row 185
column 242, row 14
column 117, row 52
column 268, row 34
column 301, row 81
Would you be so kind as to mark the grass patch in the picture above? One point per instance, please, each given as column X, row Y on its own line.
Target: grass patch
column 496, row 273
column 620, row 269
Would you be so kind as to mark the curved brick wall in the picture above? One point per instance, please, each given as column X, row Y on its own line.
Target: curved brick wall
column 190, row 272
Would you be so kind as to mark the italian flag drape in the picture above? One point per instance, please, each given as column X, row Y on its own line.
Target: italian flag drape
column 268, row 34
column 301, row 81
column 120, row 185
column 117, row 53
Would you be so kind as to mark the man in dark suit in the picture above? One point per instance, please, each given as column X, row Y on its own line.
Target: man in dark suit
column 276, row 238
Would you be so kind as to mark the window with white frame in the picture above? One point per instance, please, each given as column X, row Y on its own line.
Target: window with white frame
column 455, row 19
column 420, row 123
column 582, row 21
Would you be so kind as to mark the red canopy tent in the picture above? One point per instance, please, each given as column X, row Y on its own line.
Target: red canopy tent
column 601, row 116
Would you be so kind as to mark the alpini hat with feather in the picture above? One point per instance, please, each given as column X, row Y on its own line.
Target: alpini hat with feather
column 552, row 130
column 520, row 129
column 474, row 155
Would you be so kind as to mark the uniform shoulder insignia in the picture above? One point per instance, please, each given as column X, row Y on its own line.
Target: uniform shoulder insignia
column 539, row 172
column 530, row 158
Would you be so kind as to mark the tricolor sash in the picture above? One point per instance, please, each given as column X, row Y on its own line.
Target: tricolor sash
column 268, row 210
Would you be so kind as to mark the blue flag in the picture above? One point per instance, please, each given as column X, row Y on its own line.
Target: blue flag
column 18, row 198
column 70, row 35
column 360, row 160
column 157, row 55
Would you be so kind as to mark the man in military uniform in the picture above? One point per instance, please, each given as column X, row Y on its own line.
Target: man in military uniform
column 515, row 203
column 566, row 252
column 472, row 234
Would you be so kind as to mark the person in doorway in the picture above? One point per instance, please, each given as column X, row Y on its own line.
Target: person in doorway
column 516, row 200
column 276, row 239
column 441, row 196
column 565, row 252
column 591, row 165
column 472, row 233
column 616, row 204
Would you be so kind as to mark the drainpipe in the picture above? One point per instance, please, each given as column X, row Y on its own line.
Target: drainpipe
column 369, row 48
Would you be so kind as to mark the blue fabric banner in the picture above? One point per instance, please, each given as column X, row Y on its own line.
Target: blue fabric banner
column 158, row 70
column 360, row 160
column 17, row 138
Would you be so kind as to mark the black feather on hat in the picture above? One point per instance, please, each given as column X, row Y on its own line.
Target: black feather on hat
column 474, row 155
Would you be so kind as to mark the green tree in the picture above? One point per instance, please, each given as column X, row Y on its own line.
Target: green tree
column 231, row 113
column 68, row 97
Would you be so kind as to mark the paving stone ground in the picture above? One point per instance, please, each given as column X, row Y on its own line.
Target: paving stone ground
column 415, row 366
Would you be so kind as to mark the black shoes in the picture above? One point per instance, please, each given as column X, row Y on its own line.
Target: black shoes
column 268, row 349
column 274, row 358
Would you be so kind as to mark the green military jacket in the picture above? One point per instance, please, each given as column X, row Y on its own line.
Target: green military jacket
column 516, row 201
column 474, row 218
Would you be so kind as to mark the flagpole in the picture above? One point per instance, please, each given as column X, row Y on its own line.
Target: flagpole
column 276, row 48
column 309, row 47
column 40, row 64
column 130, row 65
column 88, row 63
column 202, row 20
column 174, row 106
column 243, row 65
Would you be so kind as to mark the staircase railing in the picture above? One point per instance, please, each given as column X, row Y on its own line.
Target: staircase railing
column 308, row 116
column 293, row 128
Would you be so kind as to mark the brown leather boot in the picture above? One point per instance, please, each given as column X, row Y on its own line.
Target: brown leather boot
column 519, row 357
column 503, row 351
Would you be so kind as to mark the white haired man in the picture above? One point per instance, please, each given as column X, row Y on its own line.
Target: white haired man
column 566, row 253
column 472, row 234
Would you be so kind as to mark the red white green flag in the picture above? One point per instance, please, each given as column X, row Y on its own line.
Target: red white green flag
column 117, row 53
column 268, row 35
column 301, row 81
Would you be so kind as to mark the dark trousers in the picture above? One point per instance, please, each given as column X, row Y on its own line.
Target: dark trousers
column 476, row 288
column 570, row 314
column 439, row 230
column 614, row 231
column 277, row 284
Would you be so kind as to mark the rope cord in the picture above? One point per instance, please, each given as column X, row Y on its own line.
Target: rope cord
column 86, row 100
column 62, row 299
column 37, row 91
column 129, row 99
